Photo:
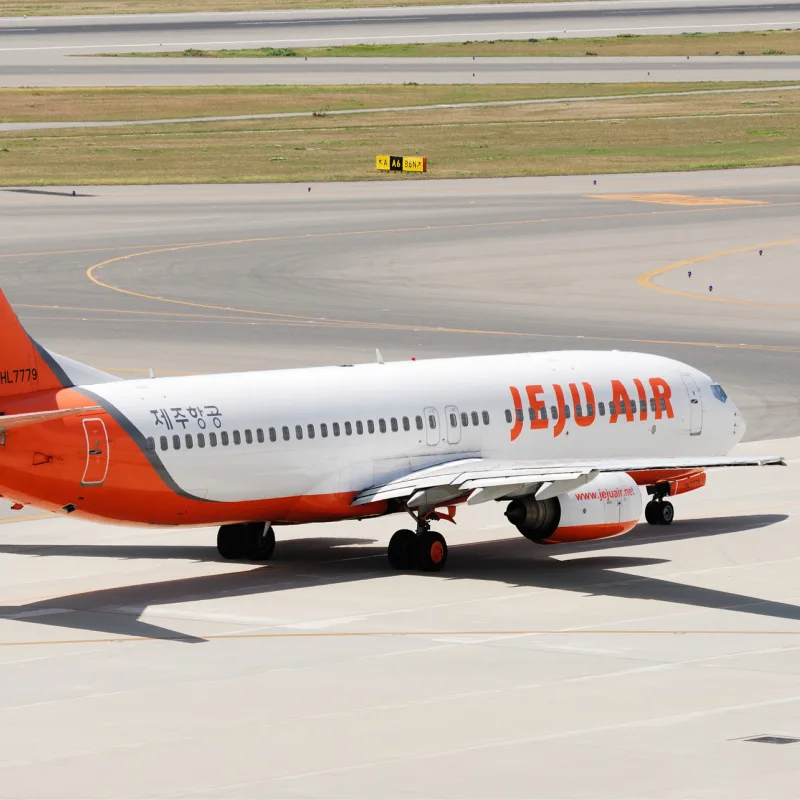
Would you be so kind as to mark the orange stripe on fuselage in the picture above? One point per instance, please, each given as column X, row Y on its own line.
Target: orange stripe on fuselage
column 133, row 491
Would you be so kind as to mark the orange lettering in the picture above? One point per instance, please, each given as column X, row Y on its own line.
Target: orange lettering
column 620, row 399
column 642, row 399
column 517, row 420
column 583, row 420
column 536, row 406
column 561, row 421
column 663, row 397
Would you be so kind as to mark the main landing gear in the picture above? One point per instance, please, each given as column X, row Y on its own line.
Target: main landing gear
column 254, row 541
column 425, row 550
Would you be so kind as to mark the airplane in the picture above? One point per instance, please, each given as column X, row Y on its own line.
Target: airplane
column 564, row 440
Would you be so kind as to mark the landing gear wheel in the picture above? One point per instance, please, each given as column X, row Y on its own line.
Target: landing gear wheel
column 260, row 541
column 230, row 541
column 254, row 541
column 659, row 512
column 401, row 549
column 430, row 551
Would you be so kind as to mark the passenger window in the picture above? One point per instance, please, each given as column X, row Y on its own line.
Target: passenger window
column 323, row 429
column 589, row 410
column 509, row 416
column 359, row 427
column 520, row 415
column 395, row 427
column 212, row 439
column 464, row 419
column 622, row 407
column 248, row 436
column 633, row 406
column 237, row 437
column 348, row 429
column 602, row 409
column 201, row 440
column 151, row 443
column 164, row 443
column 273, row 435
column 578, row 410
column 612, row 408
column 418, row 420
column 382, row 425
column 453, row 420
column 176, row 442
column 432, row 421
column 336, row 430
column 223, row 437
column 298, row 431
column 554, row 412
column 370, row 426
column 406, row 424
column 566, row 412
column 652, row 404
column 543, row 414
column 260, row 435
column 189, row 441
column 311, row 431
column 531, row 413
column 663, row 403
column 475, row 420
column 485, row 417
column 286, row 434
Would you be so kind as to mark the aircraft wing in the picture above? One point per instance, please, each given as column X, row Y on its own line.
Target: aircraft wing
column 492, row 479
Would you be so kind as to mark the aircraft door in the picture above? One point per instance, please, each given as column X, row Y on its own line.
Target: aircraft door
column 695, row 405
column 453, row 424
column 432, row 426
column 96, row 452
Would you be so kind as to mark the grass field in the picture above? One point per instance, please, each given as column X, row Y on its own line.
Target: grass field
column 109, row 104
column 38, row 8
column 627, row 135
column 748, row 43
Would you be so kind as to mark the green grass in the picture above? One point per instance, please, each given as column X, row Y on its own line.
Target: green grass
column 632, row 134
column 747, row 43
column 110, row 104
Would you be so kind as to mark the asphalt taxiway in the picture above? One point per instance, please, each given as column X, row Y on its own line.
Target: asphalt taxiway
column 135, row 663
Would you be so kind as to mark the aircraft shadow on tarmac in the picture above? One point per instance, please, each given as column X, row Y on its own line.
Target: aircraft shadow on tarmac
column 514, row 562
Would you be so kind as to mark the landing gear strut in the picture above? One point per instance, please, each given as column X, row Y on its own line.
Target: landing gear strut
column 426, row 550
column 254, row 541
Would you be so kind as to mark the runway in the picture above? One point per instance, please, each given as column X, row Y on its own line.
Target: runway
column 333, row 71
column 47, row 51
column 633, row 667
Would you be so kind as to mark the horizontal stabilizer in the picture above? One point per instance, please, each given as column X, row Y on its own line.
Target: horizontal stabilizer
column 15, row 421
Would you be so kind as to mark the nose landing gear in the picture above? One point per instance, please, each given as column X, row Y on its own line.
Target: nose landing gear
column 426, row 550
column 254, row 541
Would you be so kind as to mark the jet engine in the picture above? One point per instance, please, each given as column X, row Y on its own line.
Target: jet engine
column 609, row 505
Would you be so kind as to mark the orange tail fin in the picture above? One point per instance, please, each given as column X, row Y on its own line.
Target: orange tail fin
column 25, row 366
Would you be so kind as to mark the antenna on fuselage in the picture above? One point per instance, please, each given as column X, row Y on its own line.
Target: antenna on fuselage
column 379, row 356
column 152, row 374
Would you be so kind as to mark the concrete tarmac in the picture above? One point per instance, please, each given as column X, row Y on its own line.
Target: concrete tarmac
column 82, row 71
column 135, row 663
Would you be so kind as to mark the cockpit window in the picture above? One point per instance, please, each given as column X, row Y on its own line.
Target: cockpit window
column 718, row 392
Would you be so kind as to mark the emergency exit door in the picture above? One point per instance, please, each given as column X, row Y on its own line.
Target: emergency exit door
column 96, row 452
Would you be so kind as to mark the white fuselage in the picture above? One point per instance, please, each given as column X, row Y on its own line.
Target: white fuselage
column 347, row 417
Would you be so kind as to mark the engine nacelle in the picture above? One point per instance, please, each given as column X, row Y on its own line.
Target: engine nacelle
column 609, row 505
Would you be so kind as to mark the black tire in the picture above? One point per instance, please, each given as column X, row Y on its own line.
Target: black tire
column 231, row 541
column 651, row 513
column 666, row 513
column 430, row 551
column 401, row 549
column 259, row 541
